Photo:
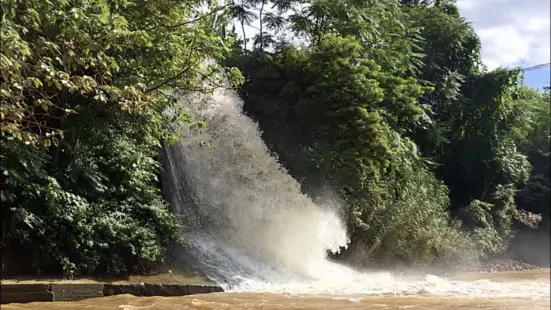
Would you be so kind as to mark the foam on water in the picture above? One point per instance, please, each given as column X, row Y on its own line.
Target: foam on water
column 338, row 280
column 252, row 229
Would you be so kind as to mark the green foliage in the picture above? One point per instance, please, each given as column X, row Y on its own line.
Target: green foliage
column 92, row 200
column 533, row 138
column 83, row 89
column 482, row 160
column 385, row 100
column 327, row 112
column 408, row 224
column 480, row 122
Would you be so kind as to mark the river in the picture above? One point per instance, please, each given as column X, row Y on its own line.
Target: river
column 512, row 290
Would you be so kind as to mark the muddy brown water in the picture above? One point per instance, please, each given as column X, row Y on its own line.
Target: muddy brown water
column 259, row 300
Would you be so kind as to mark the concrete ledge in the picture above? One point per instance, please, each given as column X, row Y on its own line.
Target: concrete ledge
column 32, row 292
column 77, row 291
column 158, row 289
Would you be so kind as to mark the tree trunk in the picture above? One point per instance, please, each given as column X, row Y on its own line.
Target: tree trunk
column 260, row 19
column 244, row 36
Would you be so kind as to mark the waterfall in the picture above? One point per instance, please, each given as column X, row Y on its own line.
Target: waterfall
column 246, row 216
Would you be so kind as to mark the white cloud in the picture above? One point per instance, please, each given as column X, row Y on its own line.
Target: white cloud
column 512, row 32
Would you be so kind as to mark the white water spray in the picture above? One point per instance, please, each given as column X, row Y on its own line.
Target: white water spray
column 251, row 208
column 252, row 229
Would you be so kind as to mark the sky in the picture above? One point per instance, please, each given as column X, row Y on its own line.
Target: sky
column 537, row 78
column 512, row 33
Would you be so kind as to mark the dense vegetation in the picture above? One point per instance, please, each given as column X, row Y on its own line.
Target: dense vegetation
column 385, row 103
column 388, row 104
column 83, row 88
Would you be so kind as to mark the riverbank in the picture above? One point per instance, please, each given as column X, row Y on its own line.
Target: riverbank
column 33, row 290
column 175, row 278
column 168, row 283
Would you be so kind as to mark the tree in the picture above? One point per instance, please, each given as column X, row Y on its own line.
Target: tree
column 244, row 16
column 326, row 112
column 376, row 80
column 533, row 138
column 84, row 90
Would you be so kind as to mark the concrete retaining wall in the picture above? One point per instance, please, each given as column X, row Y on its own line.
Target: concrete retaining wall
column 31, row 292
column 25, row 293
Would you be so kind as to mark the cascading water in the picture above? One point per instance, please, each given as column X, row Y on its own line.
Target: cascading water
column 252, row 229
column 248, row 215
